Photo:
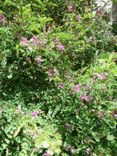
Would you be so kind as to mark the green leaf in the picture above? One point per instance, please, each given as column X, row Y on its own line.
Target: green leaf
column 10, row 76
column 110, row 137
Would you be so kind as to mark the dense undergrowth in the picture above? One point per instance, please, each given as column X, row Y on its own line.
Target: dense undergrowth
column 58, row 79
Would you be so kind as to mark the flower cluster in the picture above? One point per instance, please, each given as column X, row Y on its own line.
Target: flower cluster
column 101, row 76
column 79, row 18
column 33, row 42
column 59, row 45
column 114, row 113
column 61, row 85
column 76, row 88
column 100, row 11
column 71, row 149
column 48, row 153
column 35, row 114
column 70, row 8
column 86, row 98
column 39, row 60
column 3, row 19
column 52, row 72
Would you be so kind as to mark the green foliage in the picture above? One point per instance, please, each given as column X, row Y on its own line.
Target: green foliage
column 88, row 124
column 58, row 57
column 25, row 133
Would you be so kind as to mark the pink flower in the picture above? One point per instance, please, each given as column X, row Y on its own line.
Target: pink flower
column 101, row 76
column 100, row 11
column 39, row 60
column 3, row 19
column 79, row 18
column 61, row 85
column 46, row 154
column 114, row 113
column 24, row 41
column 53, row 72
column 70, row 8
column 76, row 88
column 70, row 149
column 35, row 40
column 85, row 98
column 34, row 114
column 60, row 47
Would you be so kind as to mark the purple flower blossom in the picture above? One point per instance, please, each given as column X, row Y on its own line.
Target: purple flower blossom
column 39, row 60
column 114, row 113
column 70, row 8
column 3, row 19
column 85, row 98
column 76, row 88
column 35, row 114
column 24, row 41
column 46, row 154
column 79, row 18
column 101, row 76
column 70, row 149
column 35, row 40
column 100, row 11
column 60, row 47
column 49, row 29
column 53, row 72
column 61, row 85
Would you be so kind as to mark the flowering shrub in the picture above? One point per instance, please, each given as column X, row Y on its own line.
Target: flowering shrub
column 86, row 112
column 57, row 57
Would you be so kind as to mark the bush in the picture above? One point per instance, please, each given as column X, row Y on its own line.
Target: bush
column 34, row 51
column 85, row 109
column 57, row 57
